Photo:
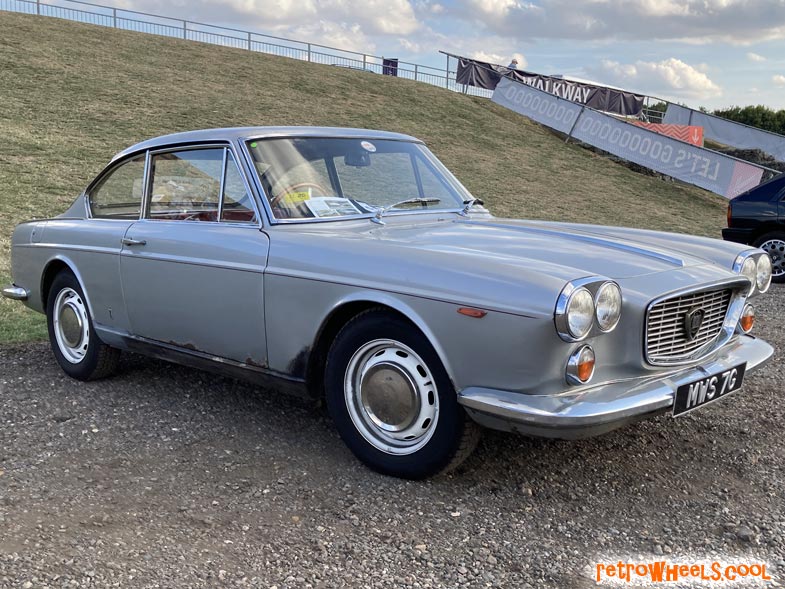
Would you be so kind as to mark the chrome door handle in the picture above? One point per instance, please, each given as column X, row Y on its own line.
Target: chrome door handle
column 129, row 241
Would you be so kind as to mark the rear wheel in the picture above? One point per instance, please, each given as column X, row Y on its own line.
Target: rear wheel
column 774, row 244
column 392, row 400
column 75, row 345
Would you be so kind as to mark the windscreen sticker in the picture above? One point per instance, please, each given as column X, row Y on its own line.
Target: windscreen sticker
column 368, row 146
column 295, row 197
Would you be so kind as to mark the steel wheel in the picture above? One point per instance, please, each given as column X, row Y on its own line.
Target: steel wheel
column 776, row 250
column 391, row 397
column 71, row 325
column 75, row 344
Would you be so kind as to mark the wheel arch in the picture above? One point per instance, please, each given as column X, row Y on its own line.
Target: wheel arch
column 766, row 228
column 347, row 309
column 52, row 268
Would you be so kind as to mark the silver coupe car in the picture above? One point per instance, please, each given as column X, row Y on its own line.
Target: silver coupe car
column 352, row 266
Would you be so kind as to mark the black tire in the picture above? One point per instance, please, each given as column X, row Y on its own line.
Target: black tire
column 777, row 255
column 454, row 434
column 90, row 358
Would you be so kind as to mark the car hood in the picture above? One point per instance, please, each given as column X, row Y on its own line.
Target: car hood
column 508, row 265
column 576, row 250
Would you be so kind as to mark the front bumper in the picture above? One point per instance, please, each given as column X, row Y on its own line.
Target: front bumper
column 15, row 293
column 602, row 408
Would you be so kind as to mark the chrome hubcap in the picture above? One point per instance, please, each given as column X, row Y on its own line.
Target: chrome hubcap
column 391, row 397
column 70, row 325
column 776, row 250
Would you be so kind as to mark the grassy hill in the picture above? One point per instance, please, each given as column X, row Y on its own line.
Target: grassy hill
column 73, row 95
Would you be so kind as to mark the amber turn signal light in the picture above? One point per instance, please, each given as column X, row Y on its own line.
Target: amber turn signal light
column 580, row 366
column 747, row 321
column 585, row 369
column 469, row 312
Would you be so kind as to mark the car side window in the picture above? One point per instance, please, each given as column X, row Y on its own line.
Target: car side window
column 118, row 195
column 186, row 185
column 237, row 206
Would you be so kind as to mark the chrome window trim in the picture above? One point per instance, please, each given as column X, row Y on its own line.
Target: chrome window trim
column 273, row 220
column 222, row 186
column 226, row 147
column 732, row 316
column 109, row 169
column 258, row 224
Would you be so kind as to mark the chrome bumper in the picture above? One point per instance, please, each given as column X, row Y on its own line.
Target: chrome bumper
column 15, row 293
column 596, row 410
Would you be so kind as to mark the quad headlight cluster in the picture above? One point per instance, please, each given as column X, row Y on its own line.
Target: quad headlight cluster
column 583, row 307
column 755, row 265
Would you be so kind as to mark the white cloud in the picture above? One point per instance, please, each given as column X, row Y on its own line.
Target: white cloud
column 500, row 59
column 697, row 21
column 671, row 76
column 778, row 79
column 755, row 57
column 379, row 17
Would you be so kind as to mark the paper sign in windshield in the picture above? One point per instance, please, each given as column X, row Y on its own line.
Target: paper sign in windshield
column 331, row 207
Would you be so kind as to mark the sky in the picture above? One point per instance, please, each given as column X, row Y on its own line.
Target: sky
column 711, row 53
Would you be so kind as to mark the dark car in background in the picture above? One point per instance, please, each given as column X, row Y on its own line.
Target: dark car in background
column 757, row 217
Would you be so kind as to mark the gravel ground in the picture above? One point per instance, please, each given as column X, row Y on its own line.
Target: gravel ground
column 167, row 477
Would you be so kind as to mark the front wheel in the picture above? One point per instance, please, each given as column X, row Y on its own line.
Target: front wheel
column 75, row 345
column 774, row 245
column 392, row 400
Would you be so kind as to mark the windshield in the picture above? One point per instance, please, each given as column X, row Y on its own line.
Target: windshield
column 328, row 178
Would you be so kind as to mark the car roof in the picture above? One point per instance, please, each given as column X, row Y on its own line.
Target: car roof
column 234, row 133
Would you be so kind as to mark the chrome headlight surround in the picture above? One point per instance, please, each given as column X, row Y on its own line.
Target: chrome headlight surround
column 752, row 265
column 576, row 315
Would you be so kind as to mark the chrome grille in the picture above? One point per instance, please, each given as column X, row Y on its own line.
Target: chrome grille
column 666, row 335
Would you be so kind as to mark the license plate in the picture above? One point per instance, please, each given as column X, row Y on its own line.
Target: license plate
column 700, row 392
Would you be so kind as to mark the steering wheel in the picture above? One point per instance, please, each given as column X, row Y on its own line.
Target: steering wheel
column 276, row 200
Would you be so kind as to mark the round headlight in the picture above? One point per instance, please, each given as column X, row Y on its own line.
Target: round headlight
column 764, row 273
column 750, row 270
column 608, row 306
column 580, row 313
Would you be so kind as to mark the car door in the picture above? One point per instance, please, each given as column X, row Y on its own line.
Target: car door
column 192, row 267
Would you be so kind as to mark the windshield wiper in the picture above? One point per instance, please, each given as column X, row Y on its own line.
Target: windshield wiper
column 468, row 204
column 380, row 212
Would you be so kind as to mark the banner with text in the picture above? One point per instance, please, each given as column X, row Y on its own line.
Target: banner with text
column 702, row 167
column 487, row 75
column 728, row 132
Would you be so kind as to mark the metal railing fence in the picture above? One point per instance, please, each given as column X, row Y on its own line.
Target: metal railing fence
column 143, row 22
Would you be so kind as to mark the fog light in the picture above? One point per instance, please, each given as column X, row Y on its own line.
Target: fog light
column 747, row 321
column 580, row 366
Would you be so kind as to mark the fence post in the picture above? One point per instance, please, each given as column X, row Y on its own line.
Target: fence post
column 249, row 40
column 447, row 74
column 365, row 60
column 38, row 7
column 309, row 52
column 114, row 17
column 575, row 124
column 185, row 29
column 415, row 72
